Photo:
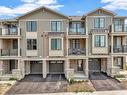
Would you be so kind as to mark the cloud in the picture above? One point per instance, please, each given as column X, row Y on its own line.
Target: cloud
column 28, row 5
column 115, row 4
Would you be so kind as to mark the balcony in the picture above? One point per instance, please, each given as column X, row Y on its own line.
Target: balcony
column 74, row 31
column 120, row 28
column 120, row 49
column 99, row 30
column 9, row 31
column 9, row 52
column 73, row 51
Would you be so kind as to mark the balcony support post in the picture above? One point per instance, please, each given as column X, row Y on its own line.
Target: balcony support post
column 67, row 46
column 18, row 47
column 18, row 31
column 113, row 28
column 86, row 47
column 86, row 68
column 111, row 43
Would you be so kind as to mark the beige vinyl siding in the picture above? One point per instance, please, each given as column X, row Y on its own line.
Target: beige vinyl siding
column 90, row 19
column 43, row 25
column 90, row 24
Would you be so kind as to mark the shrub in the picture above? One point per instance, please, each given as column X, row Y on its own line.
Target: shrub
column 72, row 81
column 13, row 78
column 119, row 76
column 126, row 66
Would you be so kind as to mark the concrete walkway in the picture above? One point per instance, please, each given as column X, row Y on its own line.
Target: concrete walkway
column 121, row 92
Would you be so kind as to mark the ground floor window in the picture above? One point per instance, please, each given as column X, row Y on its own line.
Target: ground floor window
column 119, row 62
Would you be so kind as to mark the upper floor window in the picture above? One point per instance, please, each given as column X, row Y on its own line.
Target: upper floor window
column 56, row 26
column 15, row 44
column 118, row 25
column 31, row 44
column 99, row 40
column 31, row 26
column 75, row 43
column 99, row 23
column 56, row 44
column 76, row 26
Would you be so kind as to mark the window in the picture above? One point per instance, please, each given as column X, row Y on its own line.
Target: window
column 76, row 26
column 56, row 44
column 75, row 44
column 15, row 44
column 56, row 26
column 31, row 26
column 118, row 25
column 119, row 62
column 99, row 41
column 31, row 44
column 99, row 23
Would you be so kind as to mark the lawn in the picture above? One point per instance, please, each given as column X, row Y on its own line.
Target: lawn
column 84, row 86
column 4, row 88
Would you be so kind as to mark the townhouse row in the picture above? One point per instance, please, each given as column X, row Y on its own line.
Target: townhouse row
column 44, row 42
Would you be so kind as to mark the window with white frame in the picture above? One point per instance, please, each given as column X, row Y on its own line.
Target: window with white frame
column 99, row 23
column 75, row 43
column 31, row 44
column 56, row 44
column 31, row 26
column 56, row 26
column 99, row 40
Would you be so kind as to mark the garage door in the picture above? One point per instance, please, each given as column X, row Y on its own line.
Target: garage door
column 35, row 67
column 94, row 65
column 56, row 67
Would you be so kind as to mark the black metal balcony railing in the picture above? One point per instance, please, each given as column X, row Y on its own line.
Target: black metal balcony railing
column 119, row 49
column 120, row 28
column 100, row 30
column 8, row 31
column 78, row 31
column 9, row 52
column 73, row 51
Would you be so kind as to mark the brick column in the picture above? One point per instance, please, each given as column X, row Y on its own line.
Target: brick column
column 1, row 68
column 67, row 64
column 21, row 67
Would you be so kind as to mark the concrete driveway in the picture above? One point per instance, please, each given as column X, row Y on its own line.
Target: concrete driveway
column 35, row 84
column 102, row 82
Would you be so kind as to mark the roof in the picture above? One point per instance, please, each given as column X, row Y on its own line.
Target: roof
column 42, row 7
column 111, row 12
column 75, row 18
column 124, row 17
column 8, row 20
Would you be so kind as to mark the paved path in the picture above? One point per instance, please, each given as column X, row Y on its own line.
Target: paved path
column 36, row 84
column 123, row 92
column 102, row 82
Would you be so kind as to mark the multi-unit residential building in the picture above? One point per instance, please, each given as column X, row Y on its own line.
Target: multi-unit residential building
column 44, row 41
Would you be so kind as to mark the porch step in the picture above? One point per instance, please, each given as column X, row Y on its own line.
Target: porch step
column 81, row 78
column 5, row 77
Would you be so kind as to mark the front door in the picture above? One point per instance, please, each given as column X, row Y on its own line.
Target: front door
column 80, row 65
